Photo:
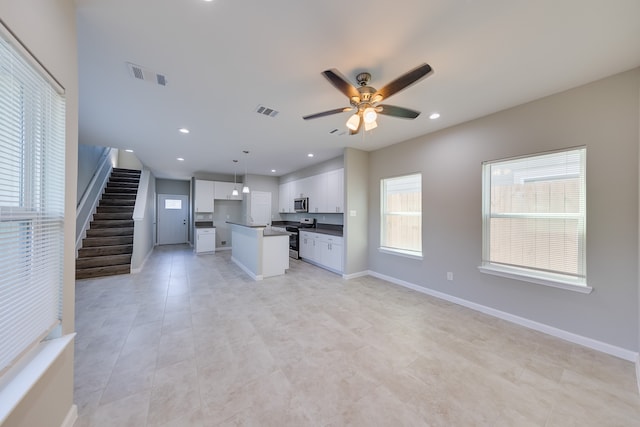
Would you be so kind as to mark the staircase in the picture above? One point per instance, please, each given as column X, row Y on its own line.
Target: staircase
column 107, row 249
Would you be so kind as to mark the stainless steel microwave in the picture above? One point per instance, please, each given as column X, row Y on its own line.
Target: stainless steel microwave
column 301, row 204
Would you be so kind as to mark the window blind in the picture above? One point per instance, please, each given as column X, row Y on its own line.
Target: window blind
column 535, row 213
column 32, row 150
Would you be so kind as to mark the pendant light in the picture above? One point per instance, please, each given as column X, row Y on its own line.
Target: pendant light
column 245, row 189
column 235, row 188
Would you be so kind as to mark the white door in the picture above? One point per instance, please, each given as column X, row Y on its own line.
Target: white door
column 260, row 208
column 172, row 219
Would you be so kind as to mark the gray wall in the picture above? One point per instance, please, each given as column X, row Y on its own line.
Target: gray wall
column 48, row 29
column 356, row 167
column 225, row 210
column 173, row 186
column 603, row 116
column 89, row 158
column 326, row 166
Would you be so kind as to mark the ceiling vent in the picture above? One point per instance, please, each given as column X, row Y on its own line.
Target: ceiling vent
column 337, row 132
column 142, row 73
column 266, row 111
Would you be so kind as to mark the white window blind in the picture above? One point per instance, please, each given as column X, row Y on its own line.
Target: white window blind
column 32, row 149
column 401, row 222
column 534, row 215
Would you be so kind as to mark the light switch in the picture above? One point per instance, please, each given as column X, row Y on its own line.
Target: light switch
column 352, row 213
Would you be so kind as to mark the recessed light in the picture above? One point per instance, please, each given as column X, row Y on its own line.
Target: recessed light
column 310, row 155
column 129, row 151
column 273, row 171
column 180, row 159
column 183, row 130
column 434, row 116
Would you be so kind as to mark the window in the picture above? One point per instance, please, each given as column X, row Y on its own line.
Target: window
column 401, row 222
column 32, row 150
column 173, row 204
column 534, row 218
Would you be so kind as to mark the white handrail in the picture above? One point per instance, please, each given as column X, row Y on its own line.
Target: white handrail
column 95, row 187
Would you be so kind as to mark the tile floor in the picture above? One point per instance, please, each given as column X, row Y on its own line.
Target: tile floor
column 192, row 341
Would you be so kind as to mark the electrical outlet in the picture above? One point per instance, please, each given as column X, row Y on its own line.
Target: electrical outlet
column 449, row 275
column 224, row 242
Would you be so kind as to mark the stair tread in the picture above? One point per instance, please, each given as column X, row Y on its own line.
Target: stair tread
column 87, row 273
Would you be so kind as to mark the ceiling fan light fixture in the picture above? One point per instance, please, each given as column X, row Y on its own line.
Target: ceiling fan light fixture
column 354, row 122
column 370, row 126
column 369, row 115
column 245, row 188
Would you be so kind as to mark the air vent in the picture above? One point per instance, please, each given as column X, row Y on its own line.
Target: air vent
column 266, row 111
column 142, row 73
column 337, row 132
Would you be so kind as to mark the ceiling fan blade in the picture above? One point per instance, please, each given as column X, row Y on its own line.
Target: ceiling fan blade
column 327, row 113
column 403, row 82
column 341, row 83
column 392, row 110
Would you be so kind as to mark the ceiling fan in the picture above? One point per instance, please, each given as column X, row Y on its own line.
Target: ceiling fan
column 365, row 100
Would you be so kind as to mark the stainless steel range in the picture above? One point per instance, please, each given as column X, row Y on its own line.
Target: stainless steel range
column 294, row 235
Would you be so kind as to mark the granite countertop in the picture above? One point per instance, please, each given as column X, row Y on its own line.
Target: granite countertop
column 244, row 224
column 329, row 231
column 270, row 233
column 204, row 224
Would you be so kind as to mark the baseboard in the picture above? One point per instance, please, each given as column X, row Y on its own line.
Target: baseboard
column 223, row 248
column 603, row 347
column 638, row 372
column 139, row 269
column 355, row 275
column 246, row 270
column 71, row 417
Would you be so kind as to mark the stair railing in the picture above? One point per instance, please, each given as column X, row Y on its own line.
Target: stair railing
column 91, row 196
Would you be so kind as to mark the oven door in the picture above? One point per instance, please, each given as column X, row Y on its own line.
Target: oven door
column 293, row 242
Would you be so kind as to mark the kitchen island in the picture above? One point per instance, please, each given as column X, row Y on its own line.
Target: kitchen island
column 258, row 250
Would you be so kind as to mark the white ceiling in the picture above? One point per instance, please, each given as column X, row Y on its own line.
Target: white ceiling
column 224, row 58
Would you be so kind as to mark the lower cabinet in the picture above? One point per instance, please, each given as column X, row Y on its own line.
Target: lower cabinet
column 322, row 249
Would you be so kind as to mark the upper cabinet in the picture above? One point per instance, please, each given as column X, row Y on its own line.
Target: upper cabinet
column 325, row 192
column 204, row 194
column 224, row 190
column 318, row 193
column 335, row 193
column 285, row 199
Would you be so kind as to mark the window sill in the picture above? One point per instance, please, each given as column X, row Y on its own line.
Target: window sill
column 525, row 276
column 16, row 383
column 400, row 252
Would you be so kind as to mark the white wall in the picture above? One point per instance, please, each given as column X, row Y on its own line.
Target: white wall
column 129, row 161
column 356, row 172
column 603, row 116
column 89, row 158
column 48, row 29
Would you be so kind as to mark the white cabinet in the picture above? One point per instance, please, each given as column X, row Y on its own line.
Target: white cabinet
column 318, row 193
column 335, row 191
column 325, row 192
column 331, row 252
column 285, row 198
column 205, row 240
column 204, row 194
column 307, row 245
column 302, row 187
column 322, row 249
column 224, row 190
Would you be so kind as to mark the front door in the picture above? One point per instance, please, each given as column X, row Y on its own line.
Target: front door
column 172, row 219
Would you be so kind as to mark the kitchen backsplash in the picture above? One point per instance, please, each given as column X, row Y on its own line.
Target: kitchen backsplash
column 326, row 218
